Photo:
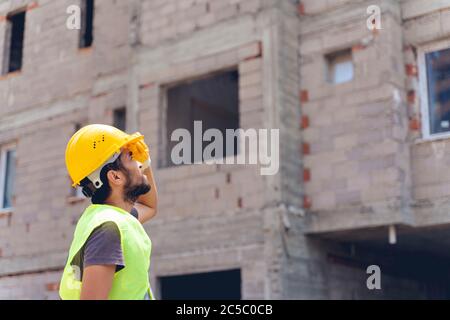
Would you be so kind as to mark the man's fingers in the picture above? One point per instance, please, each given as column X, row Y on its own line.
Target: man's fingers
column 139, row 148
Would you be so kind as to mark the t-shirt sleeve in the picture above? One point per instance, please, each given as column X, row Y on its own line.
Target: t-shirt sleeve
column 103, row 247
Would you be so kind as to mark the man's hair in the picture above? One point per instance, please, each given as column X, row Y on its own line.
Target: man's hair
column 99, row 196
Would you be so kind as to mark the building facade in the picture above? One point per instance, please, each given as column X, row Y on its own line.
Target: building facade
column 362, row 115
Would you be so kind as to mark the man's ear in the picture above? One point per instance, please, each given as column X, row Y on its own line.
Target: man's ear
column 115, row 177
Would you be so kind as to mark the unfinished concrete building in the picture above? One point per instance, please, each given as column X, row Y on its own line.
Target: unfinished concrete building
column 363, row 119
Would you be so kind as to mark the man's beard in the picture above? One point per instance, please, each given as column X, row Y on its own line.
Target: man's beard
column 132, row 192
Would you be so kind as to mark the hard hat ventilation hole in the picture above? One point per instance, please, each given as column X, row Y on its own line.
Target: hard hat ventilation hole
column 94, row 144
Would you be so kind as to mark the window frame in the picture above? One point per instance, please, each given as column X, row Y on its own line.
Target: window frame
column 3, row 151
column 423, row 86
column 115, row 112
column 164, row 141
column 6, row 63
column 84, row 25
column 332, row 60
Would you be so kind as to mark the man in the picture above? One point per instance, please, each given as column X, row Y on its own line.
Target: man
column 109, row 257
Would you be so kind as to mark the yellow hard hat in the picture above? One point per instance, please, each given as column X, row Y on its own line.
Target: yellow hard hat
column 91, row 148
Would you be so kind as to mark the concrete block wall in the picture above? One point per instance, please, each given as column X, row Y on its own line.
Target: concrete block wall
column 50, row 55
column 426, row 26
column 59, row 85
column 40, row 286
column 215, row 209
column 287, row 104
column 38, row 231
column 209, row 216
column 355, row 145
column 356, row 131
column 218, row 217
column 163, row 21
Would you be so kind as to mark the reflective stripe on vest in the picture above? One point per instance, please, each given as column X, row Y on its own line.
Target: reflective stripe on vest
column 132, row 282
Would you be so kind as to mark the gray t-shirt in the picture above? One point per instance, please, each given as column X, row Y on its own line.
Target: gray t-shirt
column 102, row 248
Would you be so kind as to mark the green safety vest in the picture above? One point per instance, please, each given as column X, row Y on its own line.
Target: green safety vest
column 132, row 282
